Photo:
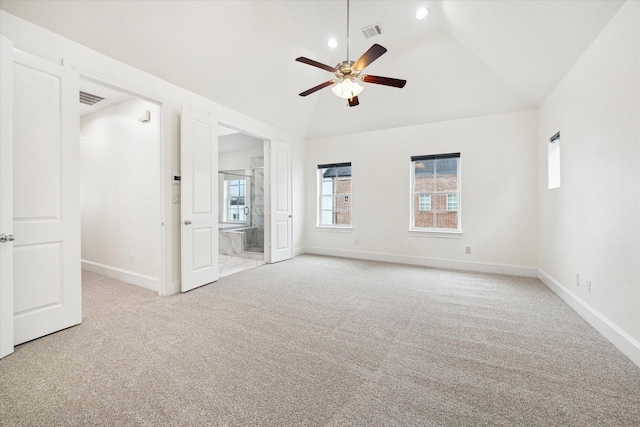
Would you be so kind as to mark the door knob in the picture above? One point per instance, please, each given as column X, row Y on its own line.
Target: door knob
column 187, row 222
column 6, row 238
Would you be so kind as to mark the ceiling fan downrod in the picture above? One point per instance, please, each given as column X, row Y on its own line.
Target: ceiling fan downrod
column 347, row 30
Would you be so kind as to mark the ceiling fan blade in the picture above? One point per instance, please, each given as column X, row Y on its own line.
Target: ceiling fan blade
column 387, row 81
column 353, row 101
column 315, row 64
column 374, row 52
column 317, row 88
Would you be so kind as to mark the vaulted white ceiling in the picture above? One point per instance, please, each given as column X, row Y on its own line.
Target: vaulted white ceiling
column 467, row 58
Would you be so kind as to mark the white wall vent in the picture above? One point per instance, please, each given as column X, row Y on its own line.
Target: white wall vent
column 371, row 31
column 89, row 99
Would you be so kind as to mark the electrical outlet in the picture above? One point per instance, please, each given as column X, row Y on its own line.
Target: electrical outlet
column 589, row 286
column 355, row 242
column 467, row 250
column 577, row 279
column 131, row 259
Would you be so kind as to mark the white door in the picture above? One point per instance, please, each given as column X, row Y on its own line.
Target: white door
column 199, row 212
column 281, row 241
column 46, row 198
column 6, row 197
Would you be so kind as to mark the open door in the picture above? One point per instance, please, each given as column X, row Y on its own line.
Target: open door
column 199, row 211
column 6, row 197
column 281, row 240
column 46, row 198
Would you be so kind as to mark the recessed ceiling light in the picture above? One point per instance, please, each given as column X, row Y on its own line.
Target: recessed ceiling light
column 422, row 13
column 332, row 43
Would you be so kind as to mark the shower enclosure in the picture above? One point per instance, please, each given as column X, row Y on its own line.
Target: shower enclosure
column 241, row 203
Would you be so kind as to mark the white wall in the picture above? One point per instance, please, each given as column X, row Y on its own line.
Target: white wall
column 54, row 48
column 591, row 224
column 498, row 200
column 120, row 192
column 234, row 160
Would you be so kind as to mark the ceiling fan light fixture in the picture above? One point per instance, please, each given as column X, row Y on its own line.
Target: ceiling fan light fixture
column 347, row 89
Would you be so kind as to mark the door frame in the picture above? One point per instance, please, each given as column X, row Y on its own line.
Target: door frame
column 6, row 210
column 166, row 286
column 267, row 186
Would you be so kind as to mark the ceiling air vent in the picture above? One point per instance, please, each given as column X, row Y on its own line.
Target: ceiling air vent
column 371, row 31
column 89, row 99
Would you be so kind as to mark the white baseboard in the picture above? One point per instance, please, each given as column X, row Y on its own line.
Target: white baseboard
column 147, row 282
column 298, row 251
column 620, row 339
column 514, row 270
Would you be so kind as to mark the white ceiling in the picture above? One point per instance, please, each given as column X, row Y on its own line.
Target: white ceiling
column 467, row 58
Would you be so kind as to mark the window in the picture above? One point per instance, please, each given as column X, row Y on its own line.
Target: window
column 452, row 202
column 435, row 201
column 553, row 162
column 235, row 191
column 334, row 195
column 424, row 203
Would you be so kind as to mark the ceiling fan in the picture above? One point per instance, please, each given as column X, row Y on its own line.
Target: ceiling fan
column 349, row 73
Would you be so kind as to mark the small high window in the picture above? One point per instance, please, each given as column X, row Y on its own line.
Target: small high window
column 334, row 195
column 553, row 162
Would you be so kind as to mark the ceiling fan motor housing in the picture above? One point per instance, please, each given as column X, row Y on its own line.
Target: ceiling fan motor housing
column 345, row 69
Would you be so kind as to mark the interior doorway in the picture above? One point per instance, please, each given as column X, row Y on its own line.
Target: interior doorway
column 120, row 179
column 241, row 201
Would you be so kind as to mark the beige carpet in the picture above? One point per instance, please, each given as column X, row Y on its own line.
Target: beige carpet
column 324, row 342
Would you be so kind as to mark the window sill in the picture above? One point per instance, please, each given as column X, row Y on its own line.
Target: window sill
column 331, row 229
column 437, row 234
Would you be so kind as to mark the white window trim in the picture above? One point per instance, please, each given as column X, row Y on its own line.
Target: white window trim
column 335, row 228
column 427, row 232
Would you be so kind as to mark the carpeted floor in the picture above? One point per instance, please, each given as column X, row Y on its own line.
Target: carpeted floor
column 323, row 341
